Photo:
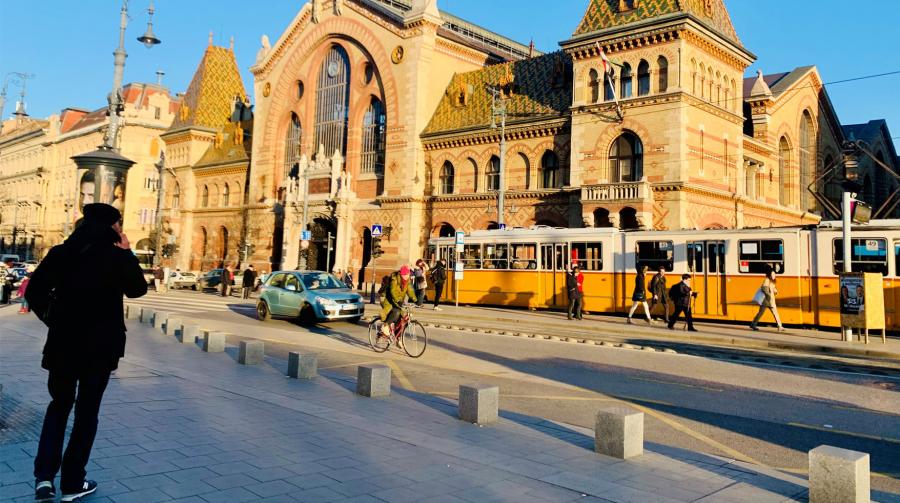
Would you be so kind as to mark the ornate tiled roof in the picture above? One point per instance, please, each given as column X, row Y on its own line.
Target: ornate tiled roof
column 230, row 146
column 540, row 88
column 604, row 14
column 210, row 96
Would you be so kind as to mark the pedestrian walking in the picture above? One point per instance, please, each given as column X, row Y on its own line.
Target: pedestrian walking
column 6, row 286
column 348, row 279
column 438, row 277
column 765, row 298
column 639, row 296
column 420, row 275
column 263, row 276
column 248, row 282
column 23, row 287
column 575, row 290
column 660, row 292
column 225, row 280
column 159, row 277
column 77, row 292
column 682, row 295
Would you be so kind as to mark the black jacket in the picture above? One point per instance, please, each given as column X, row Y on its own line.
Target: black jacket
column 439, row 273
column 684, row 295
column 640, row 289
column 572, row 286
column 87, row 276
column 249, row 278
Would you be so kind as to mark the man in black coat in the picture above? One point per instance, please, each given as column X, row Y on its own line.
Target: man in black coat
column 77, row 292
column 248, row 282
column 682, row 295
column 438, row 277
column 225, row 280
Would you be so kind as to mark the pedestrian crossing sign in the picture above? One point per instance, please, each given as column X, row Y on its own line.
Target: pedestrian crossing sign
column 377, row 231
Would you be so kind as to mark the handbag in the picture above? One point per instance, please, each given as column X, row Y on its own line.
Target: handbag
column 760, row 297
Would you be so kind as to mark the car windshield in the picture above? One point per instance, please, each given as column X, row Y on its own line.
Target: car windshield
column 321, row 281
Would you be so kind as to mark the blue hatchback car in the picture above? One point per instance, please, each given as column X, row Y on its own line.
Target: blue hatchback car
column 310, row 296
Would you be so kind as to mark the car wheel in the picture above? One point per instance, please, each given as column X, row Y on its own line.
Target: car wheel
column 194, row 288
column 262, row 311
column 307, row 315
column 355, row 320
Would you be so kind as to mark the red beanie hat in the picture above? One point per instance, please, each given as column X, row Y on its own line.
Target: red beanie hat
column 404, row 270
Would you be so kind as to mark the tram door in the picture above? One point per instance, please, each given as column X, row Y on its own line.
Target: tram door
column 554, row 258
column 448, row 253
column 706, row 262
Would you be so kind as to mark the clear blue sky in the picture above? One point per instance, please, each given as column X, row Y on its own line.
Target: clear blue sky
column 68, row 45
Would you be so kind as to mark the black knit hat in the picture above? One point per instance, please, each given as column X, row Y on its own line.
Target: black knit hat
column 102, row 214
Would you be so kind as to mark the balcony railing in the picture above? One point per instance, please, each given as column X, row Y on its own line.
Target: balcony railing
column 624, row 191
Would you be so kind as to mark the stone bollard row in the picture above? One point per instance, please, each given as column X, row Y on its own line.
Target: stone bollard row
column 303, row 366
column 373, row 381
column 147, row 316
column 132, row 312
column 214, row 342
column 173, row 326
column 159, row 319
column 619, row 432
column 251, row 352
column 838, row 476
column 479, row 403
column 188, row 334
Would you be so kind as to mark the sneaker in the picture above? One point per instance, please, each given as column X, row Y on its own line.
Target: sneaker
column 88, row 487
column 649, row 321
column 437, row 309
column 692, row 329
column 628, row 321
column 44, row 491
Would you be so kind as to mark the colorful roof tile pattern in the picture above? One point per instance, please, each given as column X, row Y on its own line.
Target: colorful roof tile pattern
column 232, row 145
column 604, row 14
column 538, row 88
column 210, row 96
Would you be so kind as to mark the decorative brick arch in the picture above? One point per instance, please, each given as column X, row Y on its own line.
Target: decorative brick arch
column 713, row 221
column 605, row 141
column 436, row 225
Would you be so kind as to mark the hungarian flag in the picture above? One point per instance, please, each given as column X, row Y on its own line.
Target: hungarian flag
column 607, row 66
column 608, row 73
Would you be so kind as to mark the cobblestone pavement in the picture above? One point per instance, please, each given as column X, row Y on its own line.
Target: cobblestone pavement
column 179, row 424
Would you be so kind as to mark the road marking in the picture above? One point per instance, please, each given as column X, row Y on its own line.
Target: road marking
column 536, row 397
column 860, row 409
column 404, row 381
column 847, row 433
column 696, row 386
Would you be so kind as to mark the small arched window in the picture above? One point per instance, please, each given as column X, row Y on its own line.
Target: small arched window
column 662, row 66
column 643, row 78
column 176, row 196
column 447, row 178
column 373, row 138
column 594, row 86
column 784, row 160
column 626, row 81
column 204, row 197
column 550, row 175
column 226, row 195
column 609, row 90
column 492, row 175
column 626, row 158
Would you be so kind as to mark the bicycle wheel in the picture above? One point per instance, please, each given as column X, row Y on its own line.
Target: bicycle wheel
column 377, row 340
column 414, row 339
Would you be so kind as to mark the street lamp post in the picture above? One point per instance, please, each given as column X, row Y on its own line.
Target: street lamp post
column 107, row 169
column 498, row 109
column 160, row 198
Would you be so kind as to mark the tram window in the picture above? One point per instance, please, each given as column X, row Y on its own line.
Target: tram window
column 695, row 257
column 761, row 255
column 869, row 255
column 654, row 254
column 896, row 258
column 471, row 257
column 495, row 256
column 431, row 254
column 523, row 256
column 589, row 256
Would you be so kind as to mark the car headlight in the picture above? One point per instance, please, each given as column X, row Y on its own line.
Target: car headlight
column 326, row 302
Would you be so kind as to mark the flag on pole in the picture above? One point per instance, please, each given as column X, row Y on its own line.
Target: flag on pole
column 608, row 74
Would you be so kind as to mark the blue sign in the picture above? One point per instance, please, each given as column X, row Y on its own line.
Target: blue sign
column 502, row 227
column 305, row 235
column 377, row 231
column 460, row 237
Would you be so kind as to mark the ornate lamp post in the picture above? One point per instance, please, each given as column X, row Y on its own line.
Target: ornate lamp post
column 106, row 170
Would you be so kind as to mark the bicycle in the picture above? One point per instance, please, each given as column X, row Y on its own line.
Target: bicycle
column 414, row 338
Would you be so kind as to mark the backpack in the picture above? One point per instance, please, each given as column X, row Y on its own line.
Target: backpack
column 437, row 275
column 385, row 285
column 675, row 292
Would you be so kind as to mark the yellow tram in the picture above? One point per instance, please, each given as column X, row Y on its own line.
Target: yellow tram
column 526, row 267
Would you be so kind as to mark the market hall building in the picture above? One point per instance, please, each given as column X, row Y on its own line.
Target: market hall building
column 383, row 108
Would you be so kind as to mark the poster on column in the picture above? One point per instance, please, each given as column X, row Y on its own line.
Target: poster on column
column 852, row 294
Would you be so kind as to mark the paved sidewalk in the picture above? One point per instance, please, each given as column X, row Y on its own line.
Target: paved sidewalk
column 180, row 424
column 613, row 328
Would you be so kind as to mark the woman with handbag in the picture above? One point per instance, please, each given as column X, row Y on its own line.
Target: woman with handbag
column 765, row 297
column 639, row 296
column 420, row 275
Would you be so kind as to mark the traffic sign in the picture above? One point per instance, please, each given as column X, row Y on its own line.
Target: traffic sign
column 460, row 237
column 305, row 235
column 502, row 227
column 377, row 231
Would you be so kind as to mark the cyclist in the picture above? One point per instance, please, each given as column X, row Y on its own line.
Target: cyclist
column 399, row 288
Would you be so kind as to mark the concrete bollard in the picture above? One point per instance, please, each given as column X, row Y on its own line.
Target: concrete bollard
column 619, row 432
column 373, row 381
column 188, row 334
column 147, row 315
column 159, row 319
column 132, row 312
column 214, row 342
column 251, row 352
column 303, row 366
column 173, row 326
column 478, row 403
column 838, row 475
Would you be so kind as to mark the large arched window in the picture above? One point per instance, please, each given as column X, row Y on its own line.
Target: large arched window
column 609, row 90
column 784, row 178
column 626, row 158
column 807, row 160
column 662, row 67
column 492, row 174
column 292, row 144
column 594, row 86
column 550, row 174
column 333, row 101
column 643, row 78
column 447, row 178
column 226, row 195
column 204, row 198
column 626, row 82
column 373, row 138
column 176, row 196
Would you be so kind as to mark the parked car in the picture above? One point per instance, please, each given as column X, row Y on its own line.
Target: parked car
column 19, row 274
column 310, row 296
column 210, row 280
column 9, row 259
column 180, row 280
